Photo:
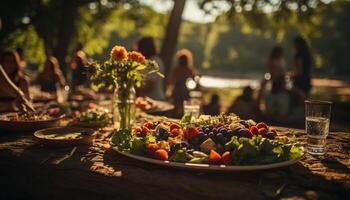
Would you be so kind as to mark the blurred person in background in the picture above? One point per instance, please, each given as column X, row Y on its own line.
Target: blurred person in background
column 79, row 77
column 276, row 64
column 11, row 64
column 153, row 86
column 15, row 98
column 182, row 71
column 302, row 66
column 9, row 89
column 245, row 106
column 277, row 101
column 281, row 105
column 51, row 76
column 213, row 107
column 20, row 52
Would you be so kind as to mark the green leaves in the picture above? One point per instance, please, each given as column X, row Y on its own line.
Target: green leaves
column 121, row 139
column 186, row 119
column 258, row 150
column 137, row 146
column 181, row 156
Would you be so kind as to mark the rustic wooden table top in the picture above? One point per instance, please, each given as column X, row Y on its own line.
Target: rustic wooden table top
column 29, row 170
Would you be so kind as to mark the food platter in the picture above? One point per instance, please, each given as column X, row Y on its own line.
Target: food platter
column 210, row 143
column 28, row 125
column 208, row 167
column 65, row 136
column 93, row 117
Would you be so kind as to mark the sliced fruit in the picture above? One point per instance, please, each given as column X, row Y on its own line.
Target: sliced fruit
column 214, row 157
column 207, row 145
column 226, row 158
column 174, row 126
column 161, row 154
column 262, row 125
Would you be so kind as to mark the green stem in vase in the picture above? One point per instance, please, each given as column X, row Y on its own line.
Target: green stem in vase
column 125, row 105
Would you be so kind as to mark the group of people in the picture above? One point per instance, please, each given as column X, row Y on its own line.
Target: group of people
column 281, row 95
column 275, row 100
column 51, row 77
column 155, row 87
column 15, row 88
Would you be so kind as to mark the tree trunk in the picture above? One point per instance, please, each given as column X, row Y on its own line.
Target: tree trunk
column 66, row 30
column 172, row 33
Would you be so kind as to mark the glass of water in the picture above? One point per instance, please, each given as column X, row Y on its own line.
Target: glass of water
column 192, row 106
column 317, row 118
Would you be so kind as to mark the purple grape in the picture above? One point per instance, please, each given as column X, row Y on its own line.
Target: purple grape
column 211, row 135
column 270, row 135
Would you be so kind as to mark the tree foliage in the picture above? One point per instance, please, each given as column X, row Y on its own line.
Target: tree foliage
column 57, row 24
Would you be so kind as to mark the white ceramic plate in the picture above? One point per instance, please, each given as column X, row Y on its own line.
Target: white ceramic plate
column 41, row 136
column 207, row 167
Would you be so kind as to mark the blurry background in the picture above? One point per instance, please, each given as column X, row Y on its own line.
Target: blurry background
column 230, row 39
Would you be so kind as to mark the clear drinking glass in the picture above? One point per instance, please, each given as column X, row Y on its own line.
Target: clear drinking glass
column 317, row 119
column 62, row 93
column 192, row 106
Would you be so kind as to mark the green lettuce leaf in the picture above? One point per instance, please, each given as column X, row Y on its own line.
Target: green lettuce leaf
column 121, row 139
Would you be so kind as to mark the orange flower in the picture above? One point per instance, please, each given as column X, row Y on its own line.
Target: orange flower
column 136, row 56
column 119, row 53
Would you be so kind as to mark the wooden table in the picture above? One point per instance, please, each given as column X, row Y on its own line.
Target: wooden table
column 29, row 171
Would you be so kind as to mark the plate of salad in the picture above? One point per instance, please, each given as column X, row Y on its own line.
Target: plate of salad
column 94, row 117
column 211, row 143
column 16, row 121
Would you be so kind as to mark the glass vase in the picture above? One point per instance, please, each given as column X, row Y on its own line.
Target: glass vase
column 124, row 107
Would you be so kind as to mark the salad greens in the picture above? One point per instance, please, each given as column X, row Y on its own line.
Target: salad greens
column 223, row 139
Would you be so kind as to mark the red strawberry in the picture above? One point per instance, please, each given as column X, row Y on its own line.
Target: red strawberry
column 254, row 130
column 149, row 125
column 176, row 132
column 151, row 149
column 174, row 126
column 137, row 129
column 214, row 157
column 226, row 158
column 161, row 154
column 191, row 132
column 262, row 132
column 262, row 125
column 145, row 130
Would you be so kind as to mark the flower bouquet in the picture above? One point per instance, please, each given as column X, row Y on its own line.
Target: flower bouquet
column 123, row 71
